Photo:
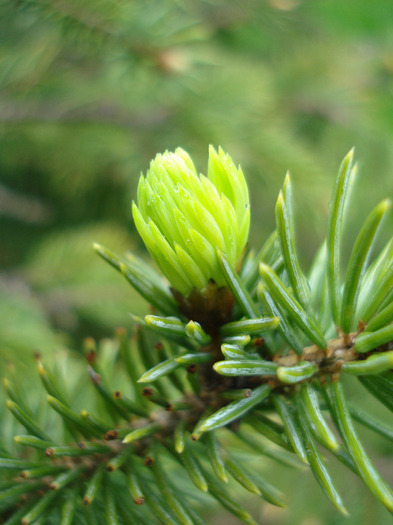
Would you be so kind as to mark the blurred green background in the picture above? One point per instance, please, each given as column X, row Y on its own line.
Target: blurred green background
column 91, row 90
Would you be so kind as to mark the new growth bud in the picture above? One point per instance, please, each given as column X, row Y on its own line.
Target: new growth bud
column 184, row 218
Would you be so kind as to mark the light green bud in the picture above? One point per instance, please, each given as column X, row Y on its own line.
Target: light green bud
column 183, row 217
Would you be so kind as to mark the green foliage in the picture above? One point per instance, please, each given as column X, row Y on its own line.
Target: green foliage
column 89, row 92
column 150, row 438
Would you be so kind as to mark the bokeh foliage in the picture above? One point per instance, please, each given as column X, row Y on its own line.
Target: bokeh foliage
column 90, row 91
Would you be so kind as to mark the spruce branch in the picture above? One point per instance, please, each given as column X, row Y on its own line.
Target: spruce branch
column 242, row 343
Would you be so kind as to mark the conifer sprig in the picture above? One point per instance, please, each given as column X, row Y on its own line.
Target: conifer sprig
column 252, row 345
